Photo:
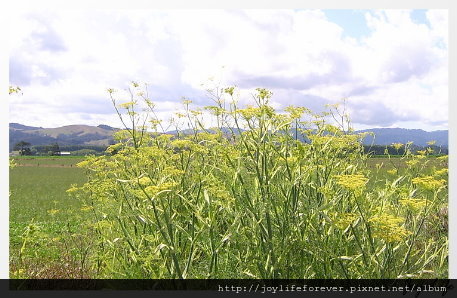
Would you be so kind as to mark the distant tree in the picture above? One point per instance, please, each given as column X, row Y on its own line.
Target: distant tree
column 54, row 149
column 84, row 152
column 23, row 148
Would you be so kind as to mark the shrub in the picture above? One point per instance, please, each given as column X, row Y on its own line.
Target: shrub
column 249, row 199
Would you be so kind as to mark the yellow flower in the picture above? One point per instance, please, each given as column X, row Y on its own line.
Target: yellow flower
column 388, row 228
column 352, row 182
column 126, row 105
column 412, row 162
column 186, row 101
column 263, row 93
column 431, row 143
column 196, row 112
column 414, row 204
column 181, row 144
column 428, row 182
column 83, row 163
column 154, row 189
column 295, row 112
column 144, row 181
column 73, row 188
column 249, row 112
column 343, row 220
column 441, row 172
column 397, row 146
column 172, row 171
column 421, row 152
column 165, row 137
column 392, row 172
column 229, row 90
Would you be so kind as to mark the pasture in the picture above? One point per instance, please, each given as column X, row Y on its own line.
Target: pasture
column 43, row 218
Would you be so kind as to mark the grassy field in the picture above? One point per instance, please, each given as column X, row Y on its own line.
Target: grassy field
column 46, row 161
column 45, row 222
column 48, row 233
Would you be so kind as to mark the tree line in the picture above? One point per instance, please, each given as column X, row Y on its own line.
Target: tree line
column 26, row 148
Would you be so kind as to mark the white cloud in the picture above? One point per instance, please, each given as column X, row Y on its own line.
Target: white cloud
column 62, row 56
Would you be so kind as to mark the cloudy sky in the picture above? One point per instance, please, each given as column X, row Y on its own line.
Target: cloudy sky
column 391, row 65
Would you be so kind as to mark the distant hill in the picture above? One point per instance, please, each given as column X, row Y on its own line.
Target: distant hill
column 18, row 126
column 102, row 135
column 387, row 136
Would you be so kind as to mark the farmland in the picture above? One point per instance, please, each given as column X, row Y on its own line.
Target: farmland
column 43, row 219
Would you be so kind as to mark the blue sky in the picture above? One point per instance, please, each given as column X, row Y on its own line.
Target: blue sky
column 391, row 65
column 352, row 21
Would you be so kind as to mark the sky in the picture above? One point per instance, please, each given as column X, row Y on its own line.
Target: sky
column 391, row 66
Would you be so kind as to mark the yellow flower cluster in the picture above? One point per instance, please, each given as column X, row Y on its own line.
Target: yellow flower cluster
column 343, row 220
column 113, row 148
column 397, row 146
column 428, row 182
column 172, row 171
column 144, row 181
column 181, row 144
column 291, row 160
column 414, row 204
column 186, row 101
column 229, row 90
column 165, row 137
column 249, row 112
column 12, row 163
column 73, row 188
column 412, row 162
column 154, row 189
column 126, row 105
column 388, row 228
column 155, row 122
column 441, row 172
column 263, row 93
column 121, row 135
column 352, row 182
column 295, row 112
column 421, row 152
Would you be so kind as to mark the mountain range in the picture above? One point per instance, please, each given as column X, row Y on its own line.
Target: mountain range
column 86, row 135
column 102, row 135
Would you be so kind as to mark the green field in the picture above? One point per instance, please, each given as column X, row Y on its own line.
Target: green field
column 47, row 161
column 49, row 237
column 39, row 204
